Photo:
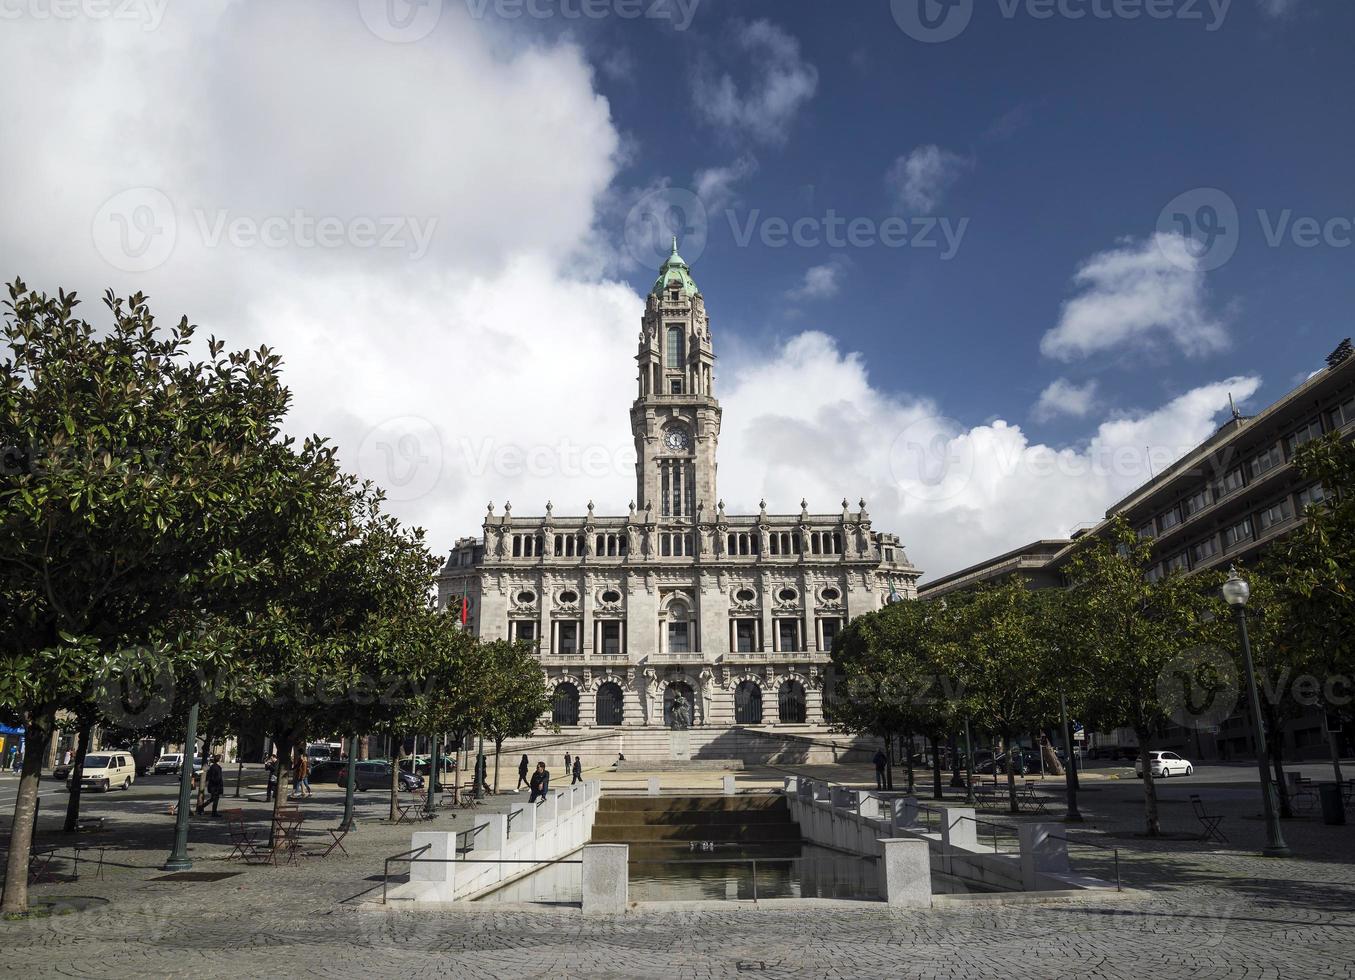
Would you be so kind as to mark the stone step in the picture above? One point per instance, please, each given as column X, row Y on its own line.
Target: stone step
column 703, row 804
column 689, row 832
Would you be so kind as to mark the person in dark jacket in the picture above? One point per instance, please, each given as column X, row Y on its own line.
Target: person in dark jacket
column 523, row 768
column 578, row 770
column 216, row 786
column 271, row 766
column 569, row 767
column 881, row 760
column 540, row 783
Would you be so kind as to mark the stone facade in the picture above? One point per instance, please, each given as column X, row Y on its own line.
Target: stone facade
column 737, row 613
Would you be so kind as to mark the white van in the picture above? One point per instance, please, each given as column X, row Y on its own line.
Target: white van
column 104, row 770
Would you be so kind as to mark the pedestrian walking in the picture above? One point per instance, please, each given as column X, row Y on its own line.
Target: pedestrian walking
column 303, row 773
column 524, row 767
column 578, row 770
column 569, row 766
column 540, row 783
column 216, row 786
column 271, row 767
column 881, row 761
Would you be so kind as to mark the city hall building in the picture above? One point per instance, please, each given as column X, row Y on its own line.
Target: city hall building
column 734, row 612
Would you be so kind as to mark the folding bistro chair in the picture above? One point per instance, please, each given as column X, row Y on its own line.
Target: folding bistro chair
column 1209, row 821
column 243, row 843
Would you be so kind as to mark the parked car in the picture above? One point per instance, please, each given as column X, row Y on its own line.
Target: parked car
column 327, row 771
column 104, row 770
column 987, row 766
column 376, row 774
column 62, row 770
column 171, row 763
column 1164, row 764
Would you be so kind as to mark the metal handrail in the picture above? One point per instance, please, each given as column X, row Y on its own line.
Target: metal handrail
column 1115, row 852
column 386, row 867
column 468, row 837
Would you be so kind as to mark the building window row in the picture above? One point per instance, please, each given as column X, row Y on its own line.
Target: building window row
column 528, row 545
column 675, row 545
column 568, row 545
column 610, row 545
column 743, row 543
column 678, row 490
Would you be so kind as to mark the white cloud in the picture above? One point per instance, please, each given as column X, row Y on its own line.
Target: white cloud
column 497, row 366
column 919, row 180
column 1276, row 8
column 765, row 105
column 1062, row 397
column 715, row 185
column 820, row 282
column 955, row 494
column 1138, row 294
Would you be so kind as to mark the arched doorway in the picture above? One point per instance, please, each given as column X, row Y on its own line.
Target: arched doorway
column 748, row 704
column 669, row 694
column 610, row 704
column 791, row 703
column 565, row 706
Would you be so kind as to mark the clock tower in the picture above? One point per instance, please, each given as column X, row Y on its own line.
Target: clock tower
column 675, row 418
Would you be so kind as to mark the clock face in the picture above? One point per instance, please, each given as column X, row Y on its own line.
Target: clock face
column 676, row 440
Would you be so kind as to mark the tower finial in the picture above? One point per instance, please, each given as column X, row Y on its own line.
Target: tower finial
column 675, row 244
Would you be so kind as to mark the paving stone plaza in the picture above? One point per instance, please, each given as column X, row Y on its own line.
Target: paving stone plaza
column 1191, row 909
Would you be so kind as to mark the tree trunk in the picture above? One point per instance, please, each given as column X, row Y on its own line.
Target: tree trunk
column 207, row 741
column 77, row 769
column 1153, row 823
column 1011, row 775
column 936, row 769
column 284, row 771
column 1335, row 747
column 37, row 736
column 908, row 761
column 1052, row 765
column 955, row 779
column 498, row 749
column 890, row 759
column 1276, row 751
column 364, row 747
column 399, row 746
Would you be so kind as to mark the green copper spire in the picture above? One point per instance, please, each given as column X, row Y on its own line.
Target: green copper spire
column 674, row 274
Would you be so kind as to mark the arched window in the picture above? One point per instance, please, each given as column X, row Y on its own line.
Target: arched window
column 747, row 704
column 565, row 707
column 610, row 705
column 672, row 691
column 791, row 703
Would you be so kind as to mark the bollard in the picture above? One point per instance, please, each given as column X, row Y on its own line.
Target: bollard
column 605, row 878
column 653, row 786
column 906, row 870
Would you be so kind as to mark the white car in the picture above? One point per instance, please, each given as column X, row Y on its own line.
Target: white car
column 104, row 770
column 1164, row 764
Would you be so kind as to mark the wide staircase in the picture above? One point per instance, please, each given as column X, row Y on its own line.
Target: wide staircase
column 658, row 827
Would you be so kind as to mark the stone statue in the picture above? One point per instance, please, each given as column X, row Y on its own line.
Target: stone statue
column 707, row 679
column 680, row 719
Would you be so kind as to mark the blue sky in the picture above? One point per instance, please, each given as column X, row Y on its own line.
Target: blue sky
column 440, row 215
column 1073, row 134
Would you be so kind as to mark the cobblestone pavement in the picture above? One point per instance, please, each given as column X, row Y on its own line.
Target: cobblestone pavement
column 1211, row 912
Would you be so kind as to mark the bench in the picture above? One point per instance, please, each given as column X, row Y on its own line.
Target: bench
column 1209, row 821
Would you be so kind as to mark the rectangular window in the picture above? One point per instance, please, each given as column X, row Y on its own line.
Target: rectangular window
column 1205, row 550
column 1268, row 460
column 1176, row 563
column 787, row 635
column 678, row 638
column 524, row 629
column 1311, row 431
column 1343, row 414
column 676, row 359
column 675, row 386
column 1146, row 531
column 889, row 554
column 1310, row 496
column 829, row 628
column 1237, row 534
column 1276, row 513
column 611, row 636
column 1169, row 519
column 568, row 634
column 1231, row 483
column 1197, row 503
column 745, row 635
column 1153, row 574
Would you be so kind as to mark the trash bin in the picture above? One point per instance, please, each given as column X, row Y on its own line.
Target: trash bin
column 1333, row 806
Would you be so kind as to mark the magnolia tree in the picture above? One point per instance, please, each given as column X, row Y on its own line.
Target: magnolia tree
column 1139, row 643
column 139, row 487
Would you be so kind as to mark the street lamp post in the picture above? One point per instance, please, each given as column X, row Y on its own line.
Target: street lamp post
column 1236, row 591
column 178, row 859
